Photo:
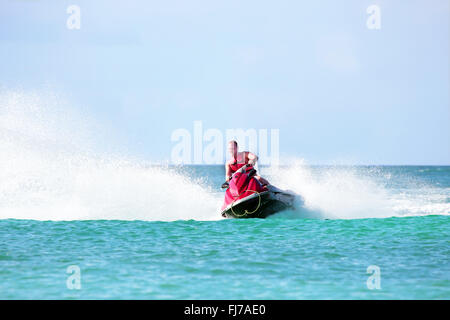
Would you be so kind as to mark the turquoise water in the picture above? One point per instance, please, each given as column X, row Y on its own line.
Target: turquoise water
column 234, row 259
column 398, row 222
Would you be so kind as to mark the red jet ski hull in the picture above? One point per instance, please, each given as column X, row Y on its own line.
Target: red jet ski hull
column 247, row 198
column 259, row 205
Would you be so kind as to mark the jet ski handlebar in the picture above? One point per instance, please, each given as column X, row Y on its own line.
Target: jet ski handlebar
column 240, row 170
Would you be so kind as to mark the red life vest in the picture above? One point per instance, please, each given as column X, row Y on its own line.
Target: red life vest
column 236, row 166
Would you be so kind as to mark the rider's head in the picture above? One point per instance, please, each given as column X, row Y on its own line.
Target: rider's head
column 233, row 148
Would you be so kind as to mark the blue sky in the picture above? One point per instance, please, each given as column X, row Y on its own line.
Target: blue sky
column 336, row 90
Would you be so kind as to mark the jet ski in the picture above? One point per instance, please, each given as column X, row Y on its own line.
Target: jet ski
column 245, row 197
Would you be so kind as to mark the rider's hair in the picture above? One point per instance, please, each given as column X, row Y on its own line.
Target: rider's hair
column 235, row 143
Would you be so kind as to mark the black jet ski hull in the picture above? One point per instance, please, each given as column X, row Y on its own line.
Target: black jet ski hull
column 260, row 205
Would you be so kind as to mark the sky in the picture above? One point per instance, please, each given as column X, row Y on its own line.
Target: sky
column 337, row 91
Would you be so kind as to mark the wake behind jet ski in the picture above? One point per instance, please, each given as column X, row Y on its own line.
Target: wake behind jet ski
column 248, row 195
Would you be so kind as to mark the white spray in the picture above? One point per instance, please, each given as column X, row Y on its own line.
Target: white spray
column 49, row 171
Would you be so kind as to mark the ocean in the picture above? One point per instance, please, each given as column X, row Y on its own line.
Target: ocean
column 370, row 232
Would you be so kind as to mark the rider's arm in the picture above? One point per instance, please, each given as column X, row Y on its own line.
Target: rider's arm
column 252, row 158
column 227, row 172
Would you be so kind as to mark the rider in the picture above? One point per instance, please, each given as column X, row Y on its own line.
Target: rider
column 238, row 160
